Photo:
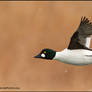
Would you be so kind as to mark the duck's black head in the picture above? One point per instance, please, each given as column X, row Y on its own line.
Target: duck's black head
column 46, row 54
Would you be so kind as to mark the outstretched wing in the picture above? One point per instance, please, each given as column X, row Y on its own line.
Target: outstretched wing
column 81, row 38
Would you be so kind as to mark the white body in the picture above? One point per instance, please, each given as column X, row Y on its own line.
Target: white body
column 76, row 57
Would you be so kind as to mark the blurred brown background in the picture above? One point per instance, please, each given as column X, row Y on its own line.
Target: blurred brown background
column 28, row 27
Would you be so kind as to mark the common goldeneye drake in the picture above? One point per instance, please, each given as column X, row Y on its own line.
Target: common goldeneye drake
column 78, row 51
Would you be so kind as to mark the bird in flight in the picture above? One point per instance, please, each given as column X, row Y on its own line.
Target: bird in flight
column 78, row 52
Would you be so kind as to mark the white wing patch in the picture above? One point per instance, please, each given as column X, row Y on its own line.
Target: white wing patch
column 88, row 39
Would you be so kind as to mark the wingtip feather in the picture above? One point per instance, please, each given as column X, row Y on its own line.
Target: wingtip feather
column 85, row 20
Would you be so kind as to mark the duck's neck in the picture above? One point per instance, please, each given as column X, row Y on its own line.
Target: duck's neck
column 60, row 55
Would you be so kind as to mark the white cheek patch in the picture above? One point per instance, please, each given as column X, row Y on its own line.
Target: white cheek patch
column 42, row 55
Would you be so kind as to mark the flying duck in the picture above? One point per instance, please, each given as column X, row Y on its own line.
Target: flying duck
column 78, row 51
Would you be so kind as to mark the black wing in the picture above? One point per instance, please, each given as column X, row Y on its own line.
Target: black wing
column 79, row 38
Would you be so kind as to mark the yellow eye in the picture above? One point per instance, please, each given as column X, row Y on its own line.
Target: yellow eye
column 44, row 51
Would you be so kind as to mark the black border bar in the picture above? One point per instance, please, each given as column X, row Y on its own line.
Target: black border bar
column 45, row 0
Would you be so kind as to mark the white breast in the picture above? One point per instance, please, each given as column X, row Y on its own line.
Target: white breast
column 76, row 57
